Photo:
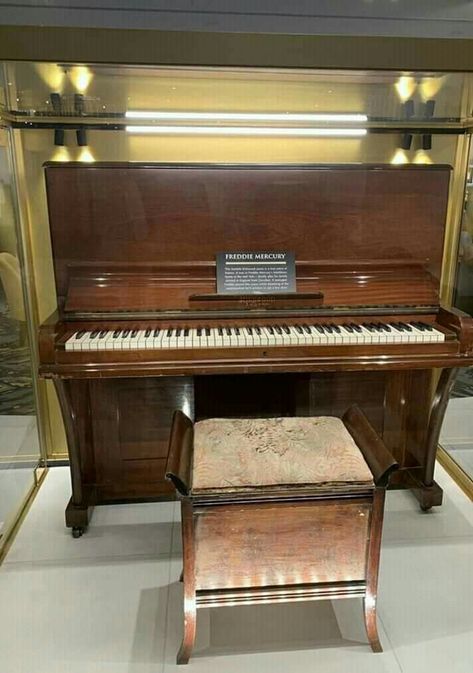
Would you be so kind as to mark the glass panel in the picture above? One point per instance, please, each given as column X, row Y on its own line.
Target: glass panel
column 112, row 90
column 457, row 432
column 19, row 445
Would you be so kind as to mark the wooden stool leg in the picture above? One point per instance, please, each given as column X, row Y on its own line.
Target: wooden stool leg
column 369, row 610
column 372, row 569
column 190, row 611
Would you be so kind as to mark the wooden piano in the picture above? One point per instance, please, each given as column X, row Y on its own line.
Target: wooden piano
column 140, row 330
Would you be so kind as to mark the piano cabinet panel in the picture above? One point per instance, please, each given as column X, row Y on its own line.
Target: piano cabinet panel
column 131, row 420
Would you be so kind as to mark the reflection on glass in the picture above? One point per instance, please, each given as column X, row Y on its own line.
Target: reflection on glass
column 19, row 448
column 457, row 432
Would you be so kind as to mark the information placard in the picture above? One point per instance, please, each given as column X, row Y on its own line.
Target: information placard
column 265, row 272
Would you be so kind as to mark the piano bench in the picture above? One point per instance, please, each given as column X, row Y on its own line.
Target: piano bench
column 279, row 509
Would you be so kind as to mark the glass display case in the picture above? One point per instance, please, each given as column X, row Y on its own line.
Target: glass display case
column 457, row 432
column 19, row 437
column 86, row 112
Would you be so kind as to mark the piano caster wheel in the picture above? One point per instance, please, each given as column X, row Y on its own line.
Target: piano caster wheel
column 77, row 532
column 426, row 508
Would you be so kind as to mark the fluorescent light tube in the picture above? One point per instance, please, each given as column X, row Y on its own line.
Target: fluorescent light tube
column 246, row 116
column 248, row 131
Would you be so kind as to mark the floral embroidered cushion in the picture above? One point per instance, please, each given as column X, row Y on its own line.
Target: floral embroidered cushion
column 243, row 453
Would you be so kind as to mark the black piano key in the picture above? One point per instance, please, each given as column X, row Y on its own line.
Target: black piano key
column 306, row 328
column 397, row 327
column 207, row 331
column 356, row 327
column 286, row 329
column 125, row 333
column 186, row 331
column 148, row 333
column 348, row 328
column 299, row 329
column 237, row 331
column 426, row 326
column 319, row 329
column 270, row 329
column 116, row 333
column 134, row 334
column 103, row 334
column 421, row 326
column 199, row 331
column 249, row 330
column 169, row 332
column 80, row 334
column 220, row 332
column 327, row 328
column 228, row 331
column 258, row 330
column 94, row 334
column 177, row 332
column 156, row 332
column 278, row 329
column 405, row 326
column 335, row 328
column 369, row 327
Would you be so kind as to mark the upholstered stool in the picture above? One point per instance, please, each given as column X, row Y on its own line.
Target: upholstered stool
column 279, row 509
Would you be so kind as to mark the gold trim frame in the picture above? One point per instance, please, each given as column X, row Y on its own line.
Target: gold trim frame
column 459, row 476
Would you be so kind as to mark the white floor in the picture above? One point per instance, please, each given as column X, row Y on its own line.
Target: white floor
column 19, row 451
column 111, row 602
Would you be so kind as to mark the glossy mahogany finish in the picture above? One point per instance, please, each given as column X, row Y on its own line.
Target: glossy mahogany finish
column 135, row 244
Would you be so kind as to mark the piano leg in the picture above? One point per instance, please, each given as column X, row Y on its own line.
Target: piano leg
column 79, row 509
column 428, row 492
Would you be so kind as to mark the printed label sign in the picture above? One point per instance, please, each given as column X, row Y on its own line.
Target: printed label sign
column 256, row 272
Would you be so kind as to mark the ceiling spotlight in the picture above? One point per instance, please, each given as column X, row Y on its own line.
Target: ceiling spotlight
column 56, row 102
column 406, row 141
column 81, row 136
column 429, row 108
column 79, row 103
column 408, row 109
column 59, row 137
column 427, row 141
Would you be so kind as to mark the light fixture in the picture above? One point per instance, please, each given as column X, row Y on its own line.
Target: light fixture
column 56, row 102
column 81, row 136
column 407, row 112
column 249, row 131
column 79, row 104
column 59, row 137
column 245, row 116
column 426, row 141
column 429, row 107
column 408, row 109
column 406, row 141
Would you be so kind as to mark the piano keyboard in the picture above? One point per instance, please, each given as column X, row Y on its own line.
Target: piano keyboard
column 254, row 336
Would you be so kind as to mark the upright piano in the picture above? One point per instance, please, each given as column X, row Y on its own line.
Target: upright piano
column 141, row 330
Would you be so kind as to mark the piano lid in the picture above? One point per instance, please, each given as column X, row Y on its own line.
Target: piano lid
column 141, row 237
